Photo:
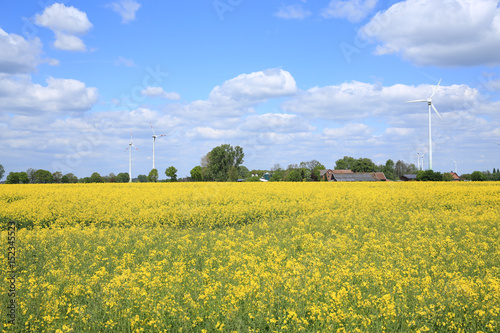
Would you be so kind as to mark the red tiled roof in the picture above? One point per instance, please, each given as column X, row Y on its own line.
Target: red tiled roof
column 339, row 172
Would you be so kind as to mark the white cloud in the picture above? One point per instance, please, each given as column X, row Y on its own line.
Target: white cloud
column 238, row 96
column 19, row 95
column 159, row 92
column 18, row 55
column 450, row 33
column 68, row 42
column 357, row 100
column 253, row 87
column 126, row 9
column 352, row 10
column 65, row 22
column 293, row 12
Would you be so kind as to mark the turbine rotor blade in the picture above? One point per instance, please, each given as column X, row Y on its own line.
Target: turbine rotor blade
column 435, row 89
column 152, row 129
column 417, row 101
column 436, row 111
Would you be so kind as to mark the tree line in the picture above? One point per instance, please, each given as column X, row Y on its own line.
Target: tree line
column 224, row 163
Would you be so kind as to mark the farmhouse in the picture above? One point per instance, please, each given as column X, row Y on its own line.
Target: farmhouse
column 350, row 176
column 408, row 178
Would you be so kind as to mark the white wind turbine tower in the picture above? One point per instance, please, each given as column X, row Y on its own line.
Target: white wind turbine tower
column 455, row 167
column 130, row 157
column 429, row 102
column 154, row 140
column 419, row 154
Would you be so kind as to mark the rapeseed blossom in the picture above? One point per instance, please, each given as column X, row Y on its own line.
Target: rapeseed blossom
column 205, row 257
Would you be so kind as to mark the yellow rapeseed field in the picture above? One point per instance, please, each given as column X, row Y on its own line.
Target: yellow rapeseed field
column 254, row 257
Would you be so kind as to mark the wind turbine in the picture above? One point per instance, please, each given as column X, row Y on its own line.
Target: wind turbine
column 429, row 102
column 455, row 166
column 130, row 157
column 154, row 140
column 419, row 154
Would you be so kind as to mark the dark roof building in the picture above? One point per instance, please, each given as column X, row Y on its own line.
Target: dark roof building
column 330, row 172
column 350, row 176
column 408, row 178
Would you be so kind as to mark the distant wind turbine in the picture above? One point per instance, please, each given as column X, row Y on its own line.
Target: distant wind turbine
column 419, row 154
column 429, row 102
column 130, row 157
column 154, row 140
column 455, row 167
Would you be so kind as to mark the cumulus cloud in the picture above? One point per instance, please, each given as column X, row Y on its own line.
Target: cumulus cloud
column 66, row 23
column 19, row 95
column 18, row 55
column 159, row 92
column 68, row 42
column 352, row 10
column 257, row 86
column 238, row 96
column 126, row 9
column 356, row 100
column 290, row 12
column 436, row 33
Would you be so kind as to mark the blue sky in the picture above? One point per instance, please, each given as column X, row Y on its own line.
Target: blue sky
column 289, row 81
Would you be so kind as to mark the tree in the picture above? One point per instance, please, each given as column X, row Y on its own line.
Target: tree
column 232, row 174
column 205, row 160
column 222, row 158
column 17, row 178
column 388, row 169
column 56, row 176
column 345, row 163
column 153, row 176
column 122, row 177
column 243, row 171
column 85, row 180
column 315, row 172
column 71, row 178
column 142, row 179
column 294, row 176
column 96, row 178
column 111, row 178
column 277, row 175
column 363, row 165
column 403, row 168
column 12, row 178
column 477, row 176
column 196, row 174
column 429, row 175
column 42, row 177
column 172, row 173
column 31, row 174
column 2, row 171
